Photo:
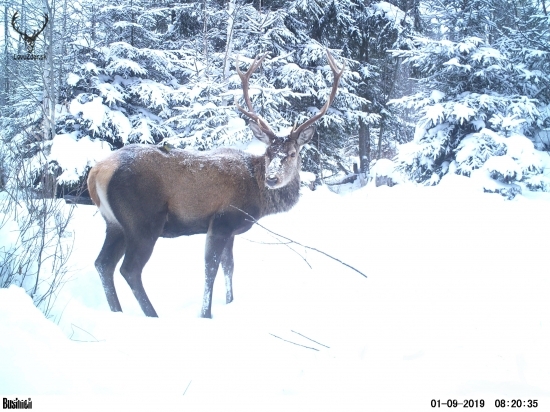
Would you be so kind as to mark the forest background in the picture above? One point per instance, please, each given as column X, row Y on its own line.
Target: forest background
column 451, row 78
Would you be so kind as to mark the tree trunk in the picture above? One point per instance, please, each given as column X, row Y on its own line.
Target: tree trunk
column 228, row 45
column 205, row 36
column 49, row 98
column 5, row 80
column 48, row 104
column 229, row 37
column 379, row 153
column 132, row 21
column 364, row 146
column 63, row 47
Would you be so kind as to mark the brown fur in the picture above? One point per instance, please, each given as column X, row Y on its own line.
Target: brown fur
column 101, row 175
column 144, row 193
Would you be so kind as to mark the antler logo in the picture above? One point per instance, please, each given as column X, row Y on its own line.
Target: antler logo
column 29, row 39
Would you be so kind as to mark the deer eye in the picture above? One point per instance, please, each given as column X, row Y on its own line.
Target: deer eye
column 293, row 154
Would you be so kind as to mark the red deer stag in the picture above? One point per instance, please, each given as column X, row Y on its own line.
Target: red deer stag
column 145, row 193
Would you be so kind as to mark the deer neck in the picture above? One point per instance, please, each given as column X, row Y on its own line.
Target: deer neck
column 275, row 200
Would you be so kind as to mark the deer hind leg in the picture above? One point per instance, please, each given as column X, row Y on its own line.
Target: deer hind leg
column 111, row 252
column 228, row 266
column 138, row 251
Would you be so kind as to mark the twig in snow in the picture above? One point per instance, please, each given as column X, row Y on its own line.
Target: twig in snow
column 294, row 343
column 298, row 243
column 85, row 331
column 266, row 243
column 189, row 384
column 287, row 243
column 298, row 333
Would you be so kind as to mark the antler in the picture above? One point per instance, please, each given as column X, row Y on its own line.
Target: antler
column 13, row 19
column 244, row 80
column 24, row 34
column 337, row 75
column 36, row 33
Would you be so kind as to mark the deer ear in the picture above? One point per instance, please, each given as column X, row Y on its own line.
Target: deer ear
column 259, row 133
column 306, row 135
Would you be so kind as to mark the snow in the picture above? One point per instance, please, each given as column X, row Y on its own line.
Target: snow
column 389, row 11
column 73, row 79
column 90, row 67
column 126, row 65
column 435, row 113
column 505, row 166
column 463, row 112
column 455, row 62
column 152, row 92
column 121, row 124
column 437, row 95
column 384, row 167
column 307, row 177
column 487, row 53
column 73, row 155
column 109, row 93
column 455, row 306
column 522, row 150
column 8, row 231
column 93, row 111
column 235, row 124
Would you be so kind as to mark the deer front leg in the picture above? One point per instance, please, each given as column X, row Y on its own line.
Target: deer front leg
column 228, row 265
column 215, row 244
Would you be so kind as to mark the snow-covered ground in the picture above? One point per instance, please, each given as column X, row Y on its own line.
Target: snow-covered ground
column 456, row 306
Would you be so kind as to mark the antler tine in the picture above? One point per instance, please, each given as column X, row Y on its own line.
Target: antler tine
column 37, row 32
column 245, row 77
column 321, row 113
column 13, row 19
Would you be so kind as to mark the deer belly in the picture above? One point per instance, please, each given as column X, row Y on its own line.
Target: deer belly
column 175, row 226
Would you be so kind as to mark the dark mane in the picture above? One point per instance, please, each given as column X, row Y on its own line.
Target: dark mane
column 275, row 200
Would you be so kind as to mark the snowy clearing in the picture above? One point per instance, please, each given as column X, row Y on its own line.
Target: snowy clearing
column 455, row 307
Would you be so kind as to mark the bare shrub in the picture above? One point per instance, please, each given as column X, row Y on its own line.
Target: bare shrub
column 35, row 244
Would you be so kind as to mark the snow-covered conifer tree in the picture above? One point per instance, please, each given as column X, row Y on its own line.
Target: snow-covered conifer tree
column 477, row 102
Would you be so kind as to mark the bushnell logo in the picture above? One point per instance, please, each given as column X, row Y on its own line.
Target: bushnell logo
column 29, row 39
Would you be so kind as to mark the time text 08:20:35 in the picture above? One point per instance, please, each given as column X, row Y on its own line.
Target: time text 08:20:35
column 480, row 403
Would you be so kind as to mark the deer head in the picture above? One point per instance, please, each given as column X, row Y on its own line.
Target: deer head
column 29, row 40
column 282, row 154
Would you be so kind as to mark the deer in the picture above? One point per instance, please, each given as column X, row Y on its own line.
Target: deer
column 144, row 192
column 29, row 40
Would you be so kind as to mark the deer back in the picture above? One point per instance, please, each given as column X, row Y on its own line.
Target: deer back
column 139, row 182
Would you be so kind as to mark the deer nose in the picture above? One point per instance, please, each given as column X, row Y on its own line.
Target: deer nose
column 271, row 180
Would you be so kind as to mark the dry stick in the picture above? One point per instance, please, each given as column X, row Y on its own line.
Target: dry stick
column 294, row 343
column 281, row 243
column 189, row 384
column 83, row 330
column 298, row 243
column 298, row 333
column 267, row 243
column 298, row 253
